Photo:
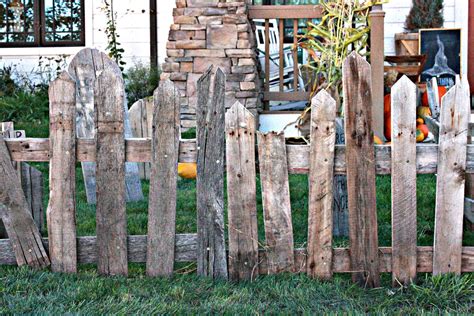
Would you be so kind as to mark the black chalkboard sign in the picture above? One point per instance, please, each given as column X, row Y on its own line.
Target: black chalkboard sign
column 443, row 50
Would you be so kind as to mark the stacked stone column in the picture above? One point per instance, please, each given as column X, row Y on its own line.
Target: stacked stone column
column 205, row 33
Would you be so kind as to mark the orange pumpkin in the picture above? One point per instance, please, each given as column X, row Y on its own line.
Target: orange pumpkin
column 377, row 140
column 420, row 121
column 387, row 115
column 424, row 129
column 187, row 170
column 441, row 91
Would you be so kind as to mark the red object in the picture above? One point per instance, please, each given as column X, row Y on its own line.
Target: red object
column 441, row 91
column 387, row 116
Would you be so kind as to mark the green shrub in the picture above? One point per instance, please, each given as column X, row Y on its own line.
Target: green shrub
column 140, row 82
column 7, row 84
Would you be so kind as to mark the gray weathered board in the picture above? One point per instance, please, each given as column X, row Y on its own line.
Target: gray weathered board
column 360, row 157
column 62, row 181
column 241, row 186
column 163, row 183
column 85, row 67
column 212, row 257
column 450, row 184
column 321, row 177
column 111, row 215
column 403, row 182
column 276, row 202
column 141, row 119
column 21, row 229
column 31, row 181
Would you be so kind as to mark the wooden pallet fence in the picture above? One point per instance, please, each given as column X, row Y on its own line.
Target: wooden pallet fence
column 112, row 249
column 141, row 120
column 212, row 256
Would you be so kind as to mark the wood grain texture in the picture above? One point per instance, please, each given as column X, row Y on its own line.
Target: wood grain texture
column 321, row 179
column 450, row 184
column 403, row 182
column 85, row 67
column 141, row 121
column 212, row 256
column 186, row 251
column 16, row 216
column 360, row 158
column 32, row 184
column 163, row 183
column 61, row 212
column 276, row 202
column 241, row 192
column 139, row 150
column 110, row 175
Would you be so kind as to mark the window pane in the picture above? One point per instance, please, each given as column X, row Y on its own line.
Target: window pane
column 62, row 20
column 17, row 21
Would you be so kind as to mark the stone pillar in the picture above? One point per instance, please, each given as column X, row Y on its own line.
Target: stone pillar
column 209, row 32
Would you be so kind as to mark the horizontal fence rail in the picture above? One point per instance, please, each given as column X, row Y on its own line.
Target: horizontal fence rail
column 139, row 150
column 186, row 251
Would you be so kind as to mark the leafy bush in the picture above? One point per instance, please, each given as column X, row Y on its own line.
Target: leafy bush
column 140, row 82
column 425, row 14
column 7, row 84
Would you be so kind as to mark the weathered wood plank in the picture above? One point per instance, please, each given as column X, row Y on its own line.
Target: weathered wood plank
column 360, row 157
column 186, row 251
column 403, row 182
column 340, row 212
column 241, row 193
column 61, row 212
column 85, row 67
column 450, row 184
column 321, row 177
column 276, row 202
column 163, row 183
column 16, row 216
column 110, row 175
column 32, row 184
column 141, row 121
column 212, row 257
column 139, row 150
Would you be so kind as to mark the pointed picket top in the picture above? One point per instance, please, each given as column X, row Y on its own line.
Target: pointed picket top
column 324, row 105
column 355, row 62
column 240, row 115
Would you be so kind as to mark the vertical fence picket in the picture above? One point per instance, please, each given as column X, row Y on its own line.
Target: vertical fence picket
column 360, row 159
column 110, row 174
column 321, row 178
column 141, row 117
column 163, row 182
column 403, row 182
column 241, row 193
column 276, row 202
column 15, row 213
column 211, row 254
column 61, row 212
column 450, row 184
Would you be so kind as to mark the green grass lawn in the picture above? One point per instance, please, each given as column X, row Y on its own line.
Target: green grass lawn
column 25, row 291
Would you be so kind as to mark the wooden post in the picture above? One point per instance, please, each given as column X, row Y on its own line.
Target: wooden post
column 360, row 159
column 321, row 177
column 61, row 212
column 212, row 256
column 450, row 184
column 276, row 202
column 403, row 182
column 241, row 193
column 110, row 175
column 163, row 182
column 377, row 55
column 21, row 229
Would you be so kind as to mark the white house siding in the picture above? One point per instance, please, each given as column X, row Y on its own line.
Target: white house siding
column 133, row 24
column 455, row 16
